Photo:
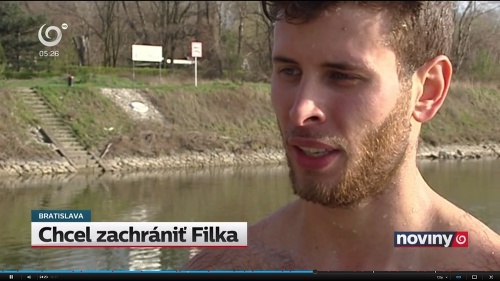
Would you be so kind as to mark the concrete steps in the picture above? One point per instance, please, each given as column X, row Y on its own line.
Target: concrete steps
column 59, row 132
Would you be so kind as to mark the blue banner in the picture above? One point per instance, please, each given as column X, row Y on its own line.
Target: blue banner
column 61, row 216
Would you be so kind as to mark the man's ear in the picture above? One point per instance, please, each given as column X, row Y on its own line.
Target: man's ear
column 435, row 79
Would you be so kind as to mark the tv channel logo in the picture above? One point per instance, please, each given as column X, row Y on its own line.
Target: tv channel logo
column 51, row 42
column 431, row 239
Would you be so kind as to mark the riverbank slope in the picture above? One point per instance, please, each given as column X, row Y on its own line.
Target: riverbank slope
column 216, row 123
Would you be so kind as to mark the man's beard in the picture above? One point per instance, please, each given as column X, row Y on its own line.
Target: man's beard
column 369, row 172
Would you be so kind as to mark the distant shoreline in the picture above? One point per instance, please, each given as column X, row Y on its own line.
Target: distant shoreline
column 224, row 159
column 187, row 126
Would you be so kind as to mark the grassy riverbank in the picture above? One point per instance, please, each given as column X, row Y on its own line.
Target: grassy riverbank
column 215, row 116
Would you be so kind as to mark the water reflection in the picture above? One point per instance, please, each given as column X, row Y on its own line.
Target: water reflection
column 143, row 258
column 231, row 194
column 472, row 185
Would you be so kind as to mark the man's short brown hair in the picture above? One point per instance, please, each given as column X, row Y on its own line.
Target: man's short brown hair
column 418, row 30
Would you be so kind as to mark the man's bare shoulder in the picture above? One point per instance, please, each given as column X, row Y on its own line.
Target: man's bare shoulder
column 483, row 251
column 220, row 259
column 264, row 250
column 484, row 244
column 254, row 257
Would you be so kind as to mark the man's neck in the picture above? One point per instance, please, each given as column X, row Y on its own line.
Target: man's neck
column 362, row 236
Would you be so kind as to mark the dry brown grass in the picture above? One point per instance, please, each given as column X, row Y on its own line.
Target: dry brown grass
column 16, row 142
column 470, row 115
column 205, row 118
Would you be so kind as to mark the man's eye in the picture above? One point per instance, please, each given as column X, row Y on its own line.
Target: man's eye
column 290, row 71
column 342, row 76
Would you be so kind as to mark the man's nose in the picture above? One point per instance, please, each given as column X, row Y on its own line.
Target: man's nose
column 306, row 111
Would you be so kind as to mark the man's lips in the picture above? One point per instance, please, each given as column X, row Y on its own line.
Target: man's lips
column 311, row 143
column 311, row 154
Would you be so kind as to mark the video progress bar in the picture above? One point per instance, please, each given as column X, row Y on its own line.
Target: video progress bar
column 247, row 275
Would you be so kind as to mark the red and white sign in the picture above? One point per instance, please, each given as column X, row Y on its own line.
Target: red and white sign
column 196, row 49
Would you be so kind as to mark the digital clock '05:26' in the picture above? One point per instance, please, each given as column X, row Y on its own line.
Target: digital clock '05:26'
column 48, row 53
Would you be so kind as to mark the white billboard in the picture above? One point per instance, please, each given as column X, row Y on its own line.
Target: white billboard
column 147, row 53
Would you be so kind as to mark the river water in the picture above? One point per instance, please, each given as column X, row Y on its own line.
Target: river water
column 231, row 194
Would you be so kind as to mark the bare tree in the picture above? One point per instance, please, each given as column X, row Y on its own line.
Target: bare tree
column 465, row 18
column 259, row 42
column 101, row 19
column 81, row 43
column 169, row 21
column 242, row 12
column 110, row 30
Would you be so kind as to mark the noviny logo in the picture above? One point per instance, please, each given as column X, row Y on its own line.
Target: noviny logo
column 51, row 43
column 431, row 239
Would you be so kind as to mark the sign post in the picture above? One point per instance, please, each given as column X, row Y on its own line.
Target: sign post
column 196, row 53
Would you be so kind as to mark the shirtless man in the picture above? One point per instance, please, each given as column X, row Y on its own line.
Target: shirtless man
column 352, row 84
